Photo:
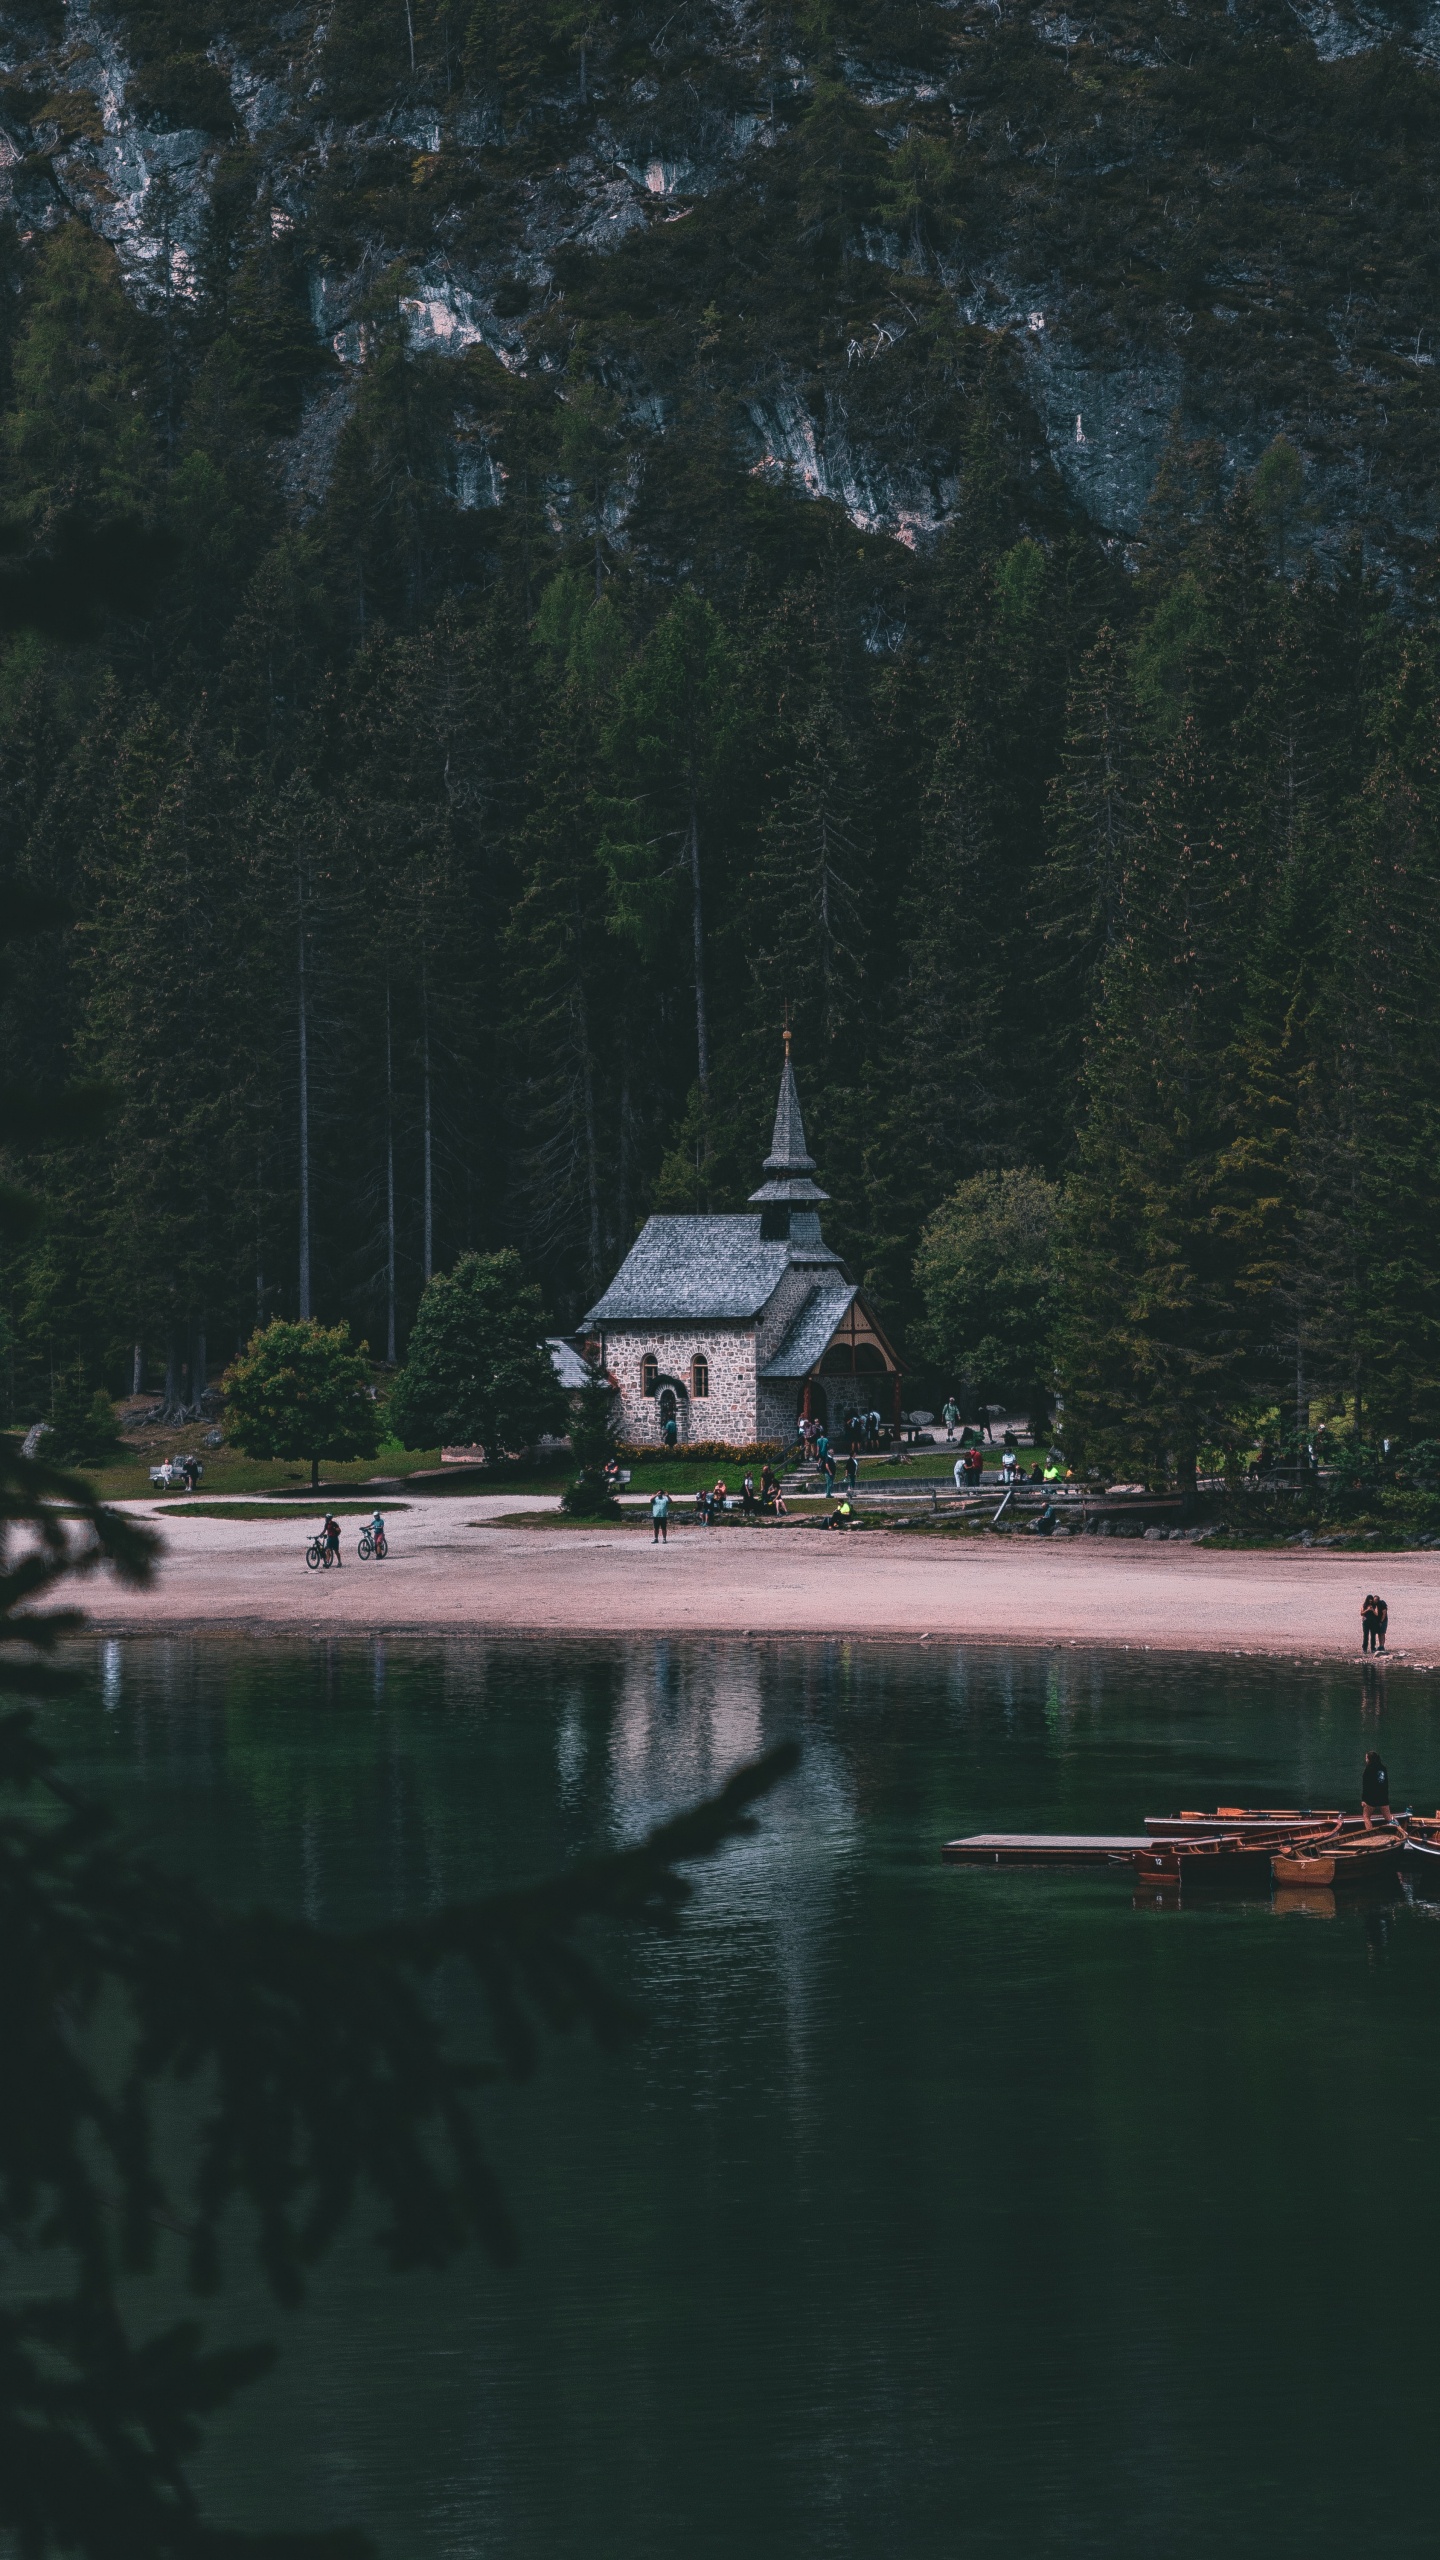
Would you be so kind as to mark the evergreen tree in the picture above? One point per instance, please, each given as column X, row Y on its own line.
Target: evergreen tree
column 1168, row 1242
column 592, row 1440
column 478, row 1369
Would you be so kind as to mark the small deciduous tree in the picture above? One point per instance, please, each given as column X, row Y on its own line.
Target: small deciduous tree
column 301, row 1390
column 985, row 1270
column 478, row 1369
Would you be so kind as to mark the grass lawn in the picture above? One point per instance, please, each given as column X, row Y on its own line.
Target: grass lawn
column 636, row 1515
column 128, row 1479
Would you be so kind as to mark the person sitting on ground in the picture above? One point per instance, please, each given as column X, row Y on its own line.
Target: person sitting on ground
column 331, row 1535
column 1007, row 1463
column 612, row 1473
column 1035, row 1472
column 1052, row 1473
column 841, row 1516
column 719, row 1496
column 1374, row 1790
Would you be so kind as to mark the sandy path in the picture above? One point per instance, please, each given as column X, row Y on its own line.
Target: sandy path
column 447, row 1569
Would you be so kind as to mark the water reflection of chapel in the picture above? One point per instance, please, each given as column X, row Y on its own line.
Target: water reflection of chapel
column 735, row 1326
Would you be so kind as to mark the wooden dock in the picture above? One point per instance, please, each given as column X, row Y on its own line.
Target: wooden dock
column 1044, row 1849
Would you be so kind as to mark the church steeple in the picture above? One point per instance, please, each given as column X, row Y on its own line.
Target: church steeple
column 789, row 1165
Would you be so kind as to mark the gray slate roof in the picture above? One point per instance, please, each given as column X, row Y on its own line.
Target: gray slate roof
column 566, row 1362
column 810, row 1333
column 693, row 1269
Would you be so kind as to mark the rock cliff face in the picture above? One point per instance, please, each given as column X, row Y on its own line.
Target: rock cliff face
column 816, row 241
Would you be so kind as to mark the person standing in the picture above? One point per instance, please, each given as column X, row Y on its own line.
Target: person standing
column 1368, row 1630
column 828, row 1463
column 1374, row 1790
column 331, row 1535
column 660, row 1520
column 1382, row 1621
column 852, row 1472
column 950, row 1415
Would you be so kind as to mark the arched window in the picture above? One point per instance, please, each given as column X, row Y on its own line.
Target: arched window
column 699, row 1375
column 649, row 1374
column 869, row 1359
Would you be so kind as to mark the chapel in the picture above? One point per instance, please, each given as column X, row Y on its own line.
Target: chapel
column 732, row 1327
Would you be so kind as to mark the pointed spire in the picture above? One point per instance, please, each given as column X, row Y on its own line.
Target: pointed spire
column 789, row 1161
column 787, row 1146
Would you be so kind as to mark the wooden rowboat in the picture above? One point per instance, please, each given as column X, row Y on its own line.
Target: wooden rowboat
column 1227, row 1861
column 1230, row 1818
column 1351, row 1861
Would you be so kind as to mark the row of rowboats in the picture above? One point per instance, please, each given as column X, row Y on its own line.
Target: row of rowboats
column 1237, row 1848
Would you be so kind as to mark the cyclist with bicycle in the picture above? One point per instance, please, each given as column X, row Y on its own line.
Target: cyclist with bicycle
column 331, row 1535
column 377, row 1533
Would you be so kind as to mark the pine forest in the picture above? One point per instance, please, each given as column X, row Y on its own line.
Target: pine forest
column 603, row 555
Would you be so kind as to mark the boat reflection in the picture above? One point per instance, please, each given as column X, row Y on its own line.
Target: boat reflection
column 1312, row 1901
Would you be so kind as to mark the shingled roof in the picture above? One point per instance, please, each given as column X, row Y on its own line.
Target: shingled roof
column 812, row 1330
column 692, row 1269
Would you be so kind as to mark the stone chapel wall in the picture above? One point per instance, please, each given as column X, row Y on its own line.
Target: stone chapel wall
column 727, row 1413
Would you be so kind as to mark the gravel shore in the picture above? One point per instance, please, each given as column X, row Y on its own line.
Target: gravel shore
column 451, row 1568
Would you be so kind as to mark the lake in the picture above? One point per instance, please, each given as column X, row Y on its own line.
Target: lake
column 936, row 2210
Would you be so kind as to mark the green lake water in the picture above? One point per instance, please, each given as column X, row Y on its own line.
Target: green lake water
column 937, row 2212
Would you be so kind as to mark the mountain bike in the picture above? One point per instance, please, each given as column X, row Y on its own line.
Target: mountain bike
column 318, row 1553
column 369, row 1546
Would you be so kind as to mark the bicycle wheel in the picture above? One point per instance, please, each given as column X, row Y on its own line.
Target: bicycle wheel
column 382, row 1545
column 312, row 1555
column 328, row 1558
column 364, row 1550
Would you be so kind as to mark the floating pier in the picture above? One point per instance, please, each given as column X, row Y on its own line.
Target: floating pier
column 1229, row 1824
column 1234, row 1846
column 1045, row 1849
